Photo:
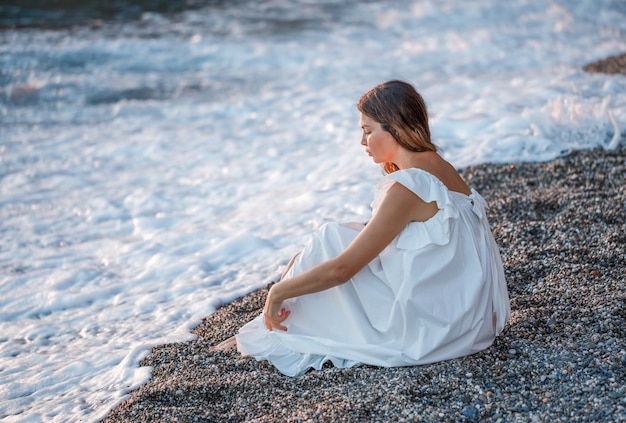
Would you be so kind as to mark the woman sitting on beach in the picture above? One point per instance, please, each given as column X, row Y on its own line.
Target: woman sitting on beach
column 421, row 282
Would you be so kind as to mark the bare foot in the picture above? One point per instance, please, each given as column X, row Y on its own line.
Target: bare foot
column 229, row 344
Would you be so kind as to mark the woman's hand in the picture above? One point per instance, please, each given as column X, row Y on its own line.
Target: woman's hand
column 274, row 312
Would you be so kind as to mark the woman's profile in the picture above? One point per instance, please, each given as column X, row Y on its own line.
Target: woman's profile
column 421, row 282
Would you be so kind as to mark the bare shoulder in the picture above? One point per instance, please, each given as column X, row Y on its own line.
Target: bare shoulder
column 433, row 163
column 400, row 198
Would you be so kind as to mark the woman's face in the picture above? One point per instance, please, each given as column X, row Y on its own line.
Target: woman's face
column 379, row 144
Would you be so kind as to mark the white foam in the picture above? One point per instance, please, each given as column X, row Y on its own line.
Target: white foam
column 153, row 171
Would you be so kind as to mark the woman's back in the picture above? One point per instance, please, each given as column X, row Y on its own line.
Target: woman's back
column 434, row 164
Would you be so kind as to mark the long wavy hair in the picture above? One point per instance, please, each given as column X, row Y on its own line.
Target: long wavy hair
column 402, row 112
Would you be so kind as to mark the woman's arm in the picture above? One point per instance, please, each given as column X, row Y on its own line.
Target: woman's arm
column 398, row 207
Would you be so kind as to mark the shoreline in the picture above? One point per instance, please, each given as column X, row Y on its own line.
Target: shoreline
column 560, row 226
column 562, row 355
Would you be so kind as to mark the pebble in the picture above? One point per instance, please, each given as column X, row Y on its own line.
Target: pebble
column 470, row 412
column 561, row 357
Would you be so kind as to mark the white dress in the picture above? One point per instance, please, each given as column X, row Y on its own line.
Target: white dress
column 436, row 292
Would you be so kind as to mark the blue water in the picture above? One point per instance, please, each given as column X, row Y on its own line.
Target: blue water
column 156, row 163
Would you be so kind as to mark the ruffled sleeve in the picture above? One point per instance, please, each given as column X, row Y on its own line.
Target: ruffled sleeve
column 436, row 230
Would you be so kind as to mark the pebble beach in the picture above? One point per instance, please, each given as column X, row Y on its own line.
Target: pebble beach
column 561, row 230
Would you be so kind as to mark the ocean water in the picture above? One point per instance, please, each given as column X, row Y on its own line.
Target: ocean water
column 156, row 166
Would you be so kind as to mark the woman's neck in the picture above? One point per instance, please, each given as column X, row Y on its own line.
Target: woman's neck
column 409, row 159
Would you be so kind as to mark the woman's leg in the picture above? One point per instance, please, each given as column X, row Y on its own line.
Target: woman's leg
column 227, row 345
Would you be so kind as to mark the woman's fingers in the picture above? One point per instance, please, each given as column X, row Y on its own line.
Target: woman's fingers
column 270, row 324
column 279, row 326
column 274, row 322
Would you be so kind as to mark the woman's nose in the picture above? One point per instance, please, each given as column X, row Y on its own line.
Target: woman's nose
column 363, row 140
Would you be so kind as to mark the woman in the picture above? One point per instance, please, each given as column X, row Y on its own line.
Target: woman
column 421, row 282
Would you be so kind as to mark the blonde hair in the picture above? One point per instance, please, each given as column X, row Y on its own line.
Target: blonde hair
column 402, row 112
